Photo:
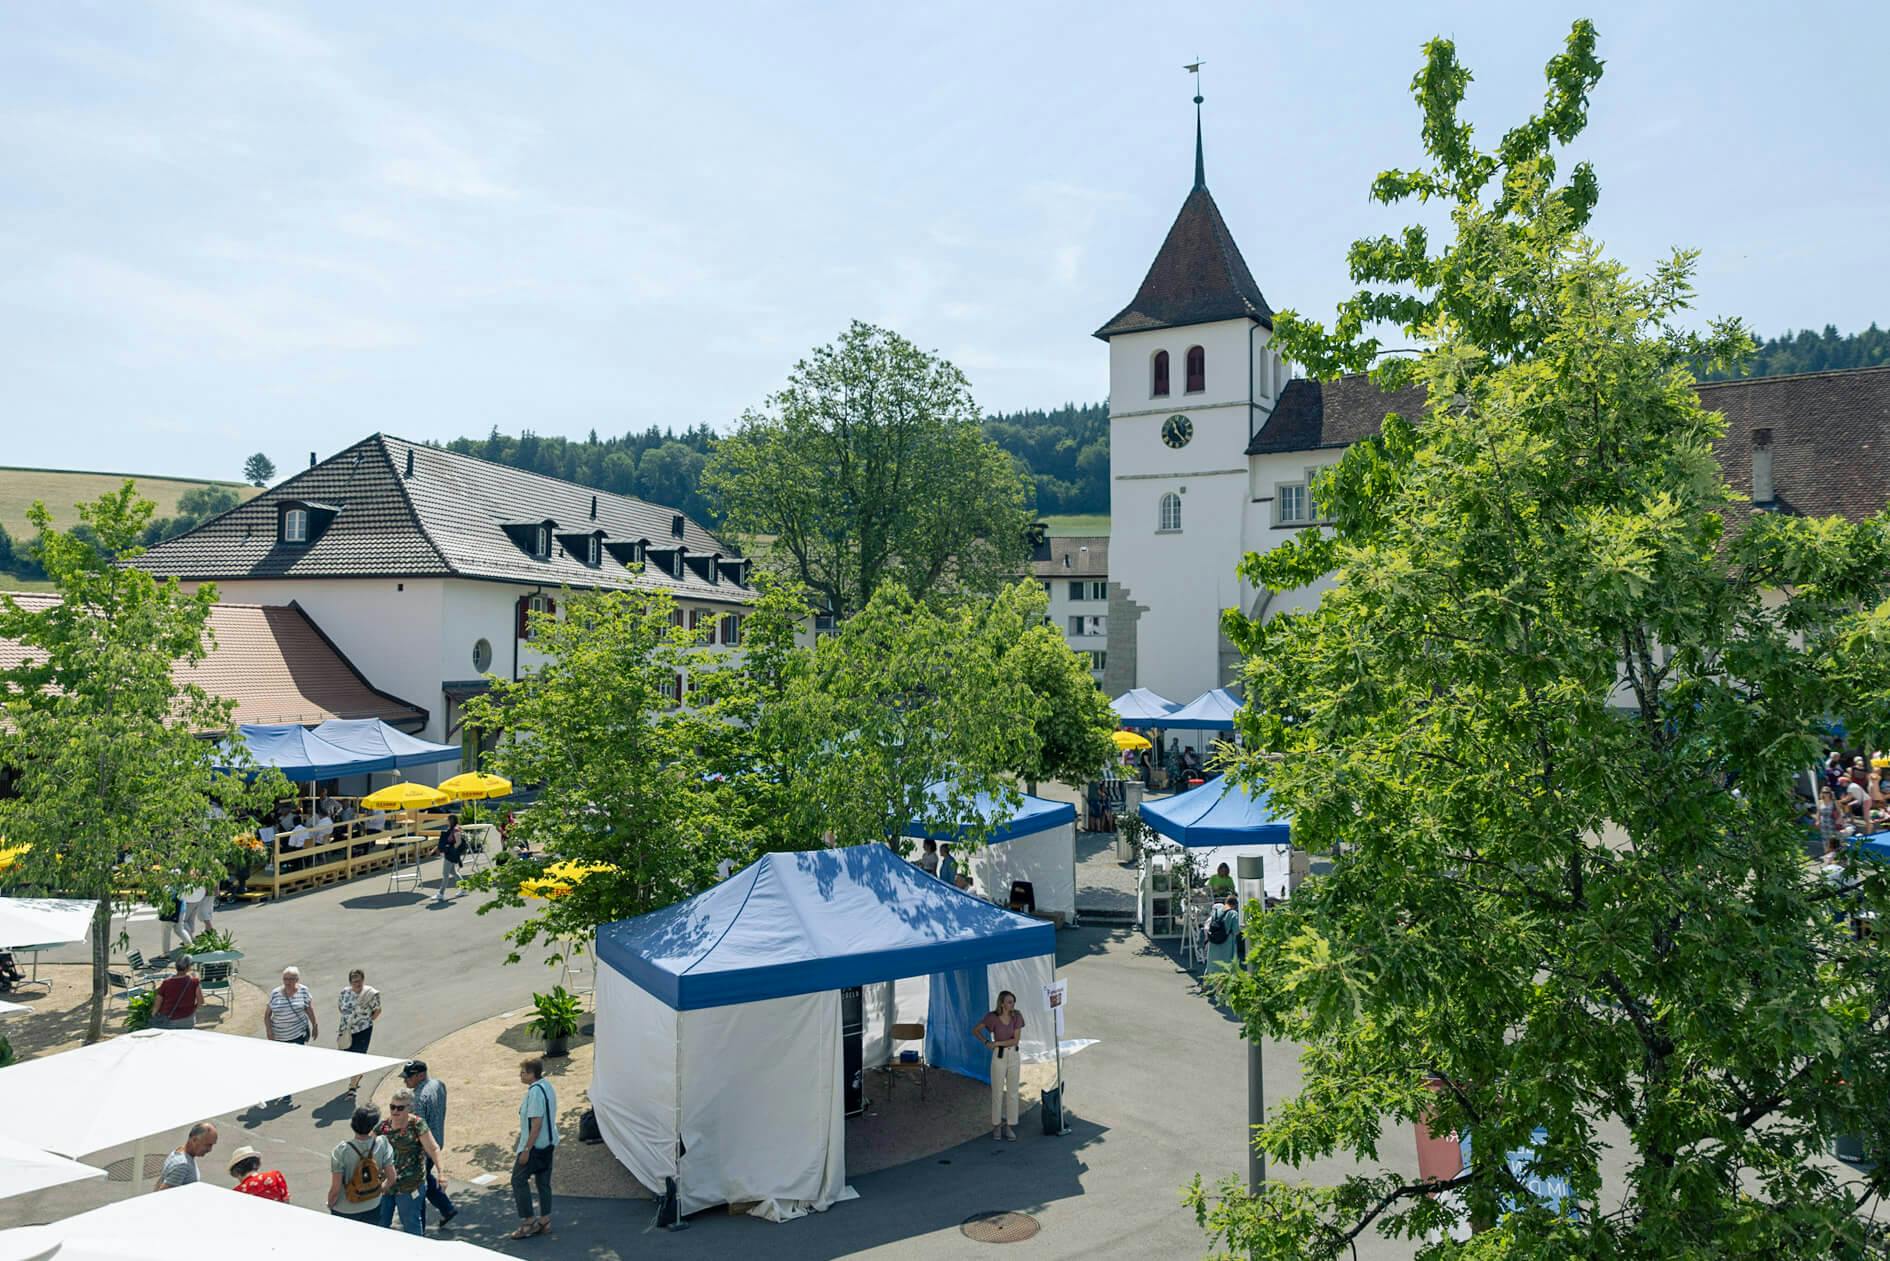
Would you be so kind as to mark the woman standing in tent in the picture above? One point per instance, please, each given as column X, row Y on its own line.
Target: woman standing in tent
column 1000, row 1032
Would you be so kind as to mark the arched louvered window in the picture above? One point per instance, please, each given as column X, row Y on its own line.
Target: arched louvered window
column 1197, row 369
column 1158, row 387
column 1169, row 518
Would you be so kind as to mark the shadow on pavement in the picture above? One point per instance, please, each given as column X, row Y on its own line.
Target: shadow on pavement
column 375, row 901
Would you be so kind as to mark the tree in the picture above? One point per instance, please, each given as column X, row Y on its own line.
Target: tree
column 259, row 470
column 1071, row 718
column 907, row 694
column 670, row 475
column 1554, row 707
column 626, row 819
column 115, row 784
column 868, row 467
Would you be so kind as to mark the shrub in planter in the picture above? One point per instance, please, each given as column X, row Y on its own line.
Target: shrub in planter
column 138, row 1011
column 557, row 1019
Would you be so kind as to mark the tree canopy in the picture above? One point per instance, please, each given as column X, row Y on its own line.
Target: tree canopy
column 259, row 470
column 869, row 467
column 116, row 790
column 1554, row 708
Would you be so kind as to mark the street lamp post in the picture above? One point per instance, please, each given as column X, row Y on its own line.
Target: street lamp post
column 1252, row 872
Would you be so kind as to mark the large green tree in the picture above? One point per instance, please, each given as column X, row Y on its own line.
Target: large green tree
column 1070, row 717
column 1554, row 709
column 116, row 782
column 627, row 820
column 870, row 466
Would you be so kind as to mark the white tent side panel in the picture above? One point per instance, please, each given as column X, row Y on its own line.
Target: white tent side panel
column 1026, row 979
column 1047, row 859
column 762, row 1118
column 634, row 1088
column 1278, row 860
column 879, row 1007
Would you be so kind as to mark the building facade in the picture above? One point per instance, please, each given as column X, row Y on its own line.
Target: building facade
column 1214, row 442
column 1074, row 571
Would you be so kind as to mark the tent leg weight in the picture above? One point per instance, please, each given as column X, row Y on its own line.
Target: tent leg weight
column 668, row 1215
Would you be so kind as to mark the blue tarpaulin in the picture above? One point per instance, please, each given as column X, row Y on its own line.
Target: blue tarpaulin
column 1877, row 847
column 1139, row 707
column 801, row 923
column 1034, row 815
column 1219, row 812
column 300, row 754
column 373, row 740
column 1210, row 711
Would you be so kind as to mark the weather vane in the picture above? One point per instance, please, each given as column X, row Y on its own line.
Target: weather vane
column 1194, row 68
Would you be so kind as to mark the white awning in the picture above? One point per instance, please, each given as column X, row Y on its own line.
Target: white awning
column 45, row 921
column 24, row 1169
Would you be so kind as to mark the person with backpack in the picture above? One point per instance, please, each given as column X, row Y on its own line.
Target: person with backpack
column 1223, row 927
column 452, row 854
column 361, row 1169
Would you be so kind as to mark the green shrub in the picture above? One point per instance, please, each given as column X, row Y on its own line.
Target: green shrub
column 558, row 1014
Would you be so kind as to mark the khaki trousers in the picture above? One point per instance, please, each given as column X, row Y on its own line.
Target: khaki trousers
column 1004, row 1082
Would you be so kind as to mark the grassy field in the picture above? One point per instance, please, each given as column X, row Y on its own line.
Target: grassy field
column 61, row 489
column 1079, row 523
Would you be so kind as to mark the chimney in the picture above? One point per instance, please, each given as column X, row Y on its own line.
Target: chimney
column 593, row 507
column 410, row 462
column 1762, row 490
column 676, row 525
column 311, row 459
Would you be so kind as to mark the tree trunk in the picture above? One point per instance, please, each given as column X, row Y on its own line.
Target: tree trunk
column 101, row 967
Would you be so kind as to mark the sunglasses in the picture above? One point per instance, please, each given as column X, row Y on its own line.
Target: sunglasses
column 396, row 1107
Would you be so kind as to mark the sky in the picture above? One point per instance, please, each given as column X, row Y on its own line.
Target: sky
column 229, row 227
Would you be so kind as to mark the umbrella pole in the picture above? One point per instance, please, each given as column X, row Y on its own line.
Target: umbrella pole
column 137, row 1168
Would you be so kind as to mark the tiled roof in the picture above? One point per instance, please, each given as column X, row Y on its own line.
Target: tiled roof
column 1830, row 431
column 447, row 519
column 1314, row 414
column 1087, row 554
column 1198, row 277
column 274, row 663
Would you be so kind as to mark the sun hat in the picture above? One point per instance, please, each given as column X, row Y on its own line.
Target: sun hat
column 240, row 1155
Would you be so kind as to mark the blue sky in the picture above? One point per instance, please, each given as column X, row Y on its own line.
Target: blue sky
column 228, row 227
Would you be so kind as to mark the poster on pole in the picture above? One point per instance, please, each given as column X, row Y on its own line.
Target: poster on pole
column 1053, row 996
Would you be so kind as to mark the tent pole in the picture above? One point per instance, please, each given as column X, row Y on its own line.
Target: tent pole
column 137, row 1168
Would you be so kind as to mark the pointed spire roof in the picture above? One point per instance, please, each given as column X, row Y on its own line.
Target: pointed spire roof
column 1198, row 276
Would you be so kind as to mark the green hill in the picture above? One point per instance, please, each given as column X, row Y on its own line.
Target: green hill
column 64, row 488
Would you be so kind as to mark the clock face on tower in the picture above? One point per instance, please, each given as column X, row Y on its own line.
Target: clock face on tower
column 1177, row 431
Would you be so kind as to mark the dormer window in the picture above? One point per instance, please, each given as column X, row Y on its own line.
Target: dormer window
column 295, row 525
column 676, row 564
column 594, row 552
column 542, row 544
column 299, row 522
column 534, row 537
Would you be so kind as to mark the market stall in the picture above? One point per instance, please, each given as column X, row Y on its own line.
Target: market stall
column 1213, row 824
column 1033, row 842
column 722, row 1068
column 1139, row 707
column 1210, row 711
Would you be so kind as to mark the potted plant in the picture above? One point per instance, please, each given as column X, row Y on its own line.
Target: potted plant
column 557, row 1019
column 138, row 1011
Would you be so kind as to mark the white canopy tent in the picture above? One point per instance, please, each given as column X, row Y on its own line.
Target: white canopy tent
column 207, row 1223
column 155, row 1081
column 24, row 1168
column 719, row 1044
column 45, row 921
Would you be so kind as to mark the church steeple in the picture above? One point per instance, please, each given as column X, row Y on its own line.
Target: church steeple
column 1200, row 167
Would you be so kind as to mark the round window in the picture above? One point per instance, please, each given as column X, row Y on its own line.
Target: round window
column 482, row 656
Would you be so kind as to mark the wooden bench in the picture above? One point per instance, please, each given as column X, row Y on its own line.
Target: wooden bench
column 335, row 862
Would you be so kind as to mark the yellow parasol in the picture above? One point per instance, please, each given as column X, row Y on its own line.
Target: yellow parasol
column 404, row 796
column 475, row 785
column 1126, row 740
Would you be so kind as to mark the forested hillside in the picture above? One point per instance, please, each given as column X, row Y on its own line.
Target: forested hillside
column 1806, row 351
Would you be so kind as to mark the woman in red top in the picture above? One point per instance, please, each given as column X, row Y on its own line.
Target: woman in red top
column 246, row 1168
column 1000, row 1031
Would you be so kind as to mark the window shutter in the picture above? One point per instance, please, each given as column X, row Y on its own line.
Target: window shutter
column 524, row 617
column 551, row 607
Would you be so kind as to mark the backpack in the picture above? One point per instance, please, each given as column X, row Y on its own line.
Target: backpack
column 364, row 1183
column 1217, row 927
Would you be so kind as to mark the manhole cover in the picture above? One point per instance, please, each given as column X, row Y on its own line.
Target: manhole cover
column 120, row 1170
column 999, row 1227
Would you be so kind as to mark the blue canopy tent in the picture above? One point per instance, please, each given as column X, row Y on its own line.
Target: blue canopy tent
column 719, row 1042
column 1139, row 707
column 373, row 740
column 1210, row 711
column 300, row 754
column 1033, row 842
column 1219, row 812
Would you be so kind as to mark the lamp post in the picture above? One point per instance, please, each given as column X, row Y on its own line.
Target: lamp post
column 1252, row 879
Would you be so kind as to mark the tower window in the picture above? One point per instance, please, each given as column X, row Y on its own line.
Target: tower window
column 1169, row 519
column 1159, row 386
column 1197, row 369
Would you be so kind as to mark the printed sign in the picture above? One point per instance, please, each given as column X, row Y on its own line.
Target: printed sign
column 1053, row 996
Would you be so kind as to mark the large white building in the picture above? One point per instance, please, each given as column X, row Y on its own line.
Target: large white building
column 1213, row 442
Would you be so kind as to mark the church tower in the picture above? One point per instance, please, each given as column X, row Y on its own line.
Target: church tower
column 1192, row 378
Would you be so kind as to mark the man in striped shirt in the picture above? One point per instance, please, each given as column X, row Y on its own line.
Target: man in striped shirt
column 290, row 1016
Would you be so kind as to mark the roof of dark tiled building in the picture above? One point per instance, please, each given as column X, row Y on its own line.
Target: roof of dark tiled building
column 274, row 663
column 1072, row 556
column 1314, row 414
column 1197, row 277
column 389, row 508
column 1830, row 431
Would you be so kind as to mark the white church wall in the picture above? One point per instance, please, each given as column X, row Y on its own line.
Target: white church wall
column 1264, row 532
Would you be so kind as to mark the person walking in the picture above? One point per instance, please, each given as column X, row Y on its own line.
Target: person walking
column 452, row 854
column 180, row 1167
column 198, row 910
column 290, row 1013
column 414, row 1151
column 1223, row 932
column 360, row 1007
column 361, row 1169
column 947, row 864
column 537, row 1145
column 429, row 1102
column 251, row 1179
column 177, row 1000
column 1000, row 1031
column 928, row 857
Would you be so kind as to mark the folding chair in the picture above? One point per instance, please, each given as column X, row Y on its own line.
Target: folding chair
column 910, row 1032
column 215, row 979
